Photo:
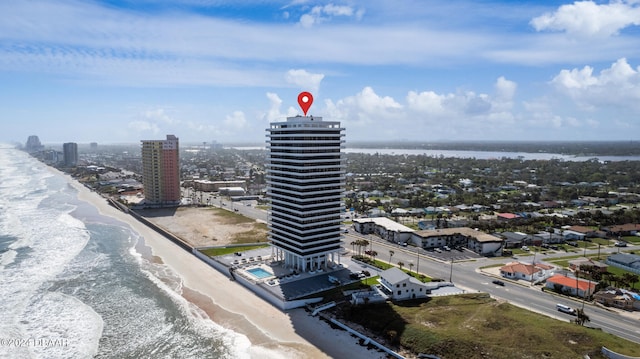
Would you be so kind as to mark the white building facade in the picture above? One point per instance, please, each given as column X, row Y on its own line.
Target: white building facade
column 305, row 185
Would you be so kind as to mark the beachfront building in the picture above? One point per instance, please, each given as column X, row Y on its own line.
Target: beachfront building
column 70, row 154
column 33, row 144
column 477, row 241
column 384, row 228
column 161, row 171
column 305, row 185
column 398, row 285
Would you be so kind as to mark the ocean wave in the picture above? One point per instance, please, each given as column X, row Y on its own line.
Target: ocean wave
column 44, row 239
column 171, row 283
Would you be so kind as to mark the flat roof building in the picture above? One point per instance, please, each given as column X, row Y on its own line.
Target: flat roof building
column 161, row 171
column 70, row 153
column 305, row 186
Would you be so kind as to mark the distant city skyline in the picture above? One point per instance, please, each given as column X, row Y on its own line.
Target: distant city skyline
column 119, row 71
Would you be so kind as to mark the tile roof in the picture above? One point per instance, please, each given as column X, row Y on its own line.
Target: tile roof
column 570, row 282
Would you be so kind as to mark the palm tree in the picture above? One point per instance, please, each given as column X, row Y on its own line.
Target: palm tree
column 391, row 253
column 363, row 243
column 374, row 254
column 634, row 278
column 608, row 277
column 629, row 279
column 353, row 245
column 400, row 264
column 410, row 266
column 581, row 317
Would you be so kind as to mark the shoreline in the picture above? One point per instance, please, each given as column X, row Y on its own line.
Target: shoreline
column 271, row 332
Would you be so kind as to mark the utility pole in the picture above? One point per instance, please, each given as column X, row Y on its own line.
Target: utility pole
column 451, row 271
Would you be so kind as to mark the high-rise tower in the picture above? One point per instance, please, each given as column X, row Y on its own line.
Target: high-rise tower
column 70, row 153
column 161, row 171
column 305, row 184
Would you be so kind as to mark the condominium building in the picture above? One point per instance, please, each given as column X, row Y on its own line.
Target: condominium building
column 305, row 185
column 70, row 153
column 161, row 171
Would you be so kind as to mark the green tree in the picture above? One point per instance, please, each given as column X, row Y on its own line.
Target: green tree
column 581, row 317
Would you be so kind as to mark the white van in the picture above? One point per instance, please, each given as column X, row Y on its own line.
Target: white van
column 565, row 309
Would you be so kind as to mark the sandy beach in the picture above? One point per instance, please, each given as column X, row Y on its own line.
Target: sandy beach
column 272, row 333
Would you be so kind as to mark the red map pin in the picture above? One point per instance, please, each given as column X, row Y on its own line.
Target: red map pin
column 305, row 100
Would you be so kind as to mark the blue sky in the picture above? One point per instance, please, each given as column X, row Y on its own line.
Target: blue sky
column 220, row 70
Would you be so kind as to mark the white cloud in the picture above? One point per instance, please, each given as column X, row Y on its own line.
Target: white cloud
column 305, row 80
column 320, row 14
column 273, row 114
column 365, row 109
column 144, row 127
column 159, row 115
column 466, row 104
column 618, row 85
column 586, row 18
column 464, row 113
column 505, row 89
column 236, row 121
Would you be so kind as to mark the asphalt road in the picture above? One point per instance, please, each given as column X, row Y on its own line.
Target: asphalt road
column 466, row 275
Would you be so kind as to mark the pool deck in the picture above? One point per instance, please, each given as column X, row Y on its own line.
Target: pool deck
column 286, row 284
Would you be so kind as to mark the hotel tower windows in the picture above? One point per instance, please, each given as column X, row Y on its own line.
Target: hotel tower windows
column 305, row 185
column 161, row 171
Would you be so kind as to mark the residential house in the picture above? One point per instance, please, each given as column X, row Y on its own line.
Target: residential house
column 630, row 262
column 401, row 286
column 571, row 285
column 613, row 297
column 588, row 232
column 526, row 271
column 628, row 229
column 507, row 216
column 512, row 239
column 575, row 264
column 548, row 237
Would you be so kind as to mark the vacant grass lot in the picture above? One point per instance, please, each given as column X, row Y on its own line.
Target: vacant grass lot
column 476, row 326
column 212, row 252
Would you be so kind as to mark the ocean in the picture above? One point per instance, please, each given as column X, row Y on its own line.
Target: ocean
column 76, row 284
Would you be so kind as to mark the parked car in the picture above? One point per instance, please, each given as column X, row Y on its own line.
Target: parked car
column 446, row 248
column 620, row 244
column 498, row 282
column 525, row 248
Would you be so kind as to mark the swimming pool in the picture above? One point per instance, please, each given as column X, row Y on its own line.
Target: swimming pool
column 259, row 273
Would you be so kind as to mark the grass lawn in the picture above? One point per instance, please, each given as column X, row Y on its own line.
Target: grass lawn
column 619, row 272
column 475, row 326
column 631, row 239
column 602, row 241
column 384, row 265
column 231, row 217
column 257, row 234
column 212, row 252
column 493, row 265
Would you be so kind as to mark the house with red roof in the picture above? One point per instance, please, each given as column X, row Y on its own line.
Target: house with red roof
column 571, row 285
column 507, row 216
column 526, row 271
